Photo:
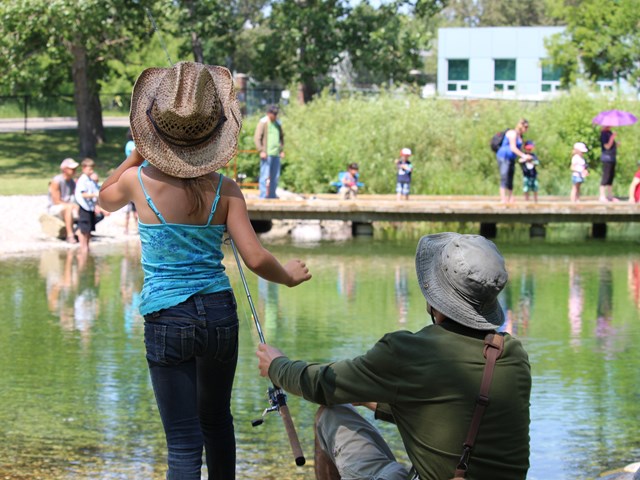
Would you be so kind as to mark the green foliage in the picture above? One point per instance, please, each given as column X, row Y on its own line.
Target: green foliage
column 601, row 38
column 383, row 44
column 28, row 162
column 450, row 141
column 493, row 13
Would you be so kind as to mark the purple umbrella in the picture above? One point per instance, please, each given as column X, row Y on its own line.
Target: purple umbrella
column 614, row 118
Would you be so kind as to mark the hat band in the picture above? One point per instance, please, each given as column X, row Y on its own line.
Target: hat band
column 178, row 142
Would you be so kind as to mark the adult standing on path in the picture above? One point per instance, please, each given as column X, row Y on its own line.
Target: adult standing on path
column 609, row 147
column 185, row 122
column 426, row 382
column 509, row 151
column 269, row 140
column 62, row 203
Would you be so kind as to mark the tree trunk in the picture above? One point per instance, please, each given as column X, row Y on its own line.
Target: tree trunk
column 96, row 114
column 84, row 101
column 196, row 44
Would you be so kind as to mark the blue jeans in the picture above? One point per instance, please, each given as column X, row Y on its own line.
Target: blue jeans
column 192, row 352
column 269, row 170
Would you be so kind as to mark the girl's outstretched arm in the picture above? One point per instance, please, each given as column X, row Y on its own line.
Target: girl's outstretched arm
column 257, row 258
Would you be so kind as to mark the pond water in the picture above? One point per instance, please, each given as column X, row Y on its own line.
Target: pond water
column 77, row 402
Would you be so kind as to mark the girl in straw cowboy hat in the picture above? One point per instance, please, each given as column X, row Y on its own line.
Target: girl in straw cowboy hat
column 185, row 122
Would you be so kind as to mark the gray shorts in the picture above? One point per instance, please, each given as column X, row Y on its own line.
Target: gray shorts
column 356, row 447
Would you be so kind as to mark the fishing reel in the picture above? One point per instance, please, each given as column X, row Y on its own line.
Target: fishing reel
column 277, row 398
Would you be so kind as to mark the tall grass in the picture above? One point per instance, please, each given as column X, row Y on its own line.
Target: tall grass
column 450, row 141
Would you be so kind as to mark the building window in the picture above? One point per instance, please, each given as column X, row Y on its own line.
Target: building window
column 458, row 75
column 504, row 75
column 550, row 78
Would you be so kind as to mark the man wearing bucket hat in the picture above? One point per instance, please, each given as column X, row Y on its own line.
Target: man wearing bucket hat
column 185, row 122
column 426, row 382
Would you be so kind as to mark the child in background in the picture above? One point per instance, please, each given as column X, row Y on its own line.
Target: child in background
column 403, row 181
column 130, row 209
column 349, row 188
column 529, row 172
column 579, row 170
column 100, row 214
column 86, row 197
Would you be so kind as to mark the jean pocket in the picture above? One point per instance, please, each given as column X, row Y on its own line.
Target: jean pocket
column 227, row 338
column 169, row 344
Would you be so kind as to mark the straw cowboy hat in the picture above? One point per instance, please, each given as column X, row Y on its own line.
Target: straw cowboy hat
column 185, row 120
column 461, row 277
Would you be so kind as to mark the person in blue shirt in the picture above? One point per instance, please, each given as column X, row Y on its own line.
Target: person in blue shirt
column 185, row 122
column 506, row 156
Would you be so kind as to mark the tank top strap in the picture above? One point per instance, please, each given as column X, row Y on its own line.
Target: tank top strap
column 152, row 206
column 214, row 205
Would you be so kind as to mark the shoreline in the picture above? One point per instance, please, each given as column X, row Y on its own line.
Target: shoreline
column 21, row 233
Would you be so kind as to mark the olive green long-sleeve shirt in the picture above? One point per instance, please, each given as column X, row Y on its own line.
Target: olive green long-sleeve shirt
column 429, row 381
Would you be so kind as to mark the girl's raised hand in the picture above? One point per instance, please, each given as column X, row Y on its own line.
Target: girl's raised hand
column 298, row 272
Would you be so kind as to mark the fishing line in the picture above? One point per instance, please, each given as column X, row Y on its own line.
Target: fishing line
column 157, row 32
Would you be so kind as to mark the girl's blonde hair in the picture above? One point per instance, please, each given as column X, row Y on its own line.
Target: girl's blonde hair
column 196, row 189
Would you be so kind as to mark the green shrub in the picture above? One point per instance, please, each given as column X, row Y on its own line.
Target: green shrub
column 449, row 139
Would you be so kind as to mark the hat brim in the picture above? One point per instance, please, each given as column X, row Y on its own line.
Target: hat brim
column 441, row 295
column 179, row 161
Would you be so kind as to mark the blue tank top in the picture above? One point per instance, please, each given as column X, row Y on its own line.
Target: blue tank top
column 505, row 153
column 180, row 260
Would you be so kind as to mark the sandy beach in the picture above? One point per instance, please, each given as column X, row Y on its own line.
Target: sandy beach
column 21, row 233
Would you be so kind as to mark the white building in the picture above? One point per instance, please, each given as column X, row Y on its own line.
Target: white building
column 497, row 62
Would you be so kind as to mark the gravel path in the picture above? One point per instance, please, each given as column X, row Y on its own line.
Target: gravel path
column 21, row 234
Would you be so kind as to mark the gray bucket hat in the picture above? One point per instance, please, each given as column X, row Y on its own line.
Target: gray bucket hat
column 461, row 276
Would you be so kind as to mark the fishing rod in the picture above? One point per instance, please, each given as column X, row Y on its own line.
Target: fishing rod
column 277, row 397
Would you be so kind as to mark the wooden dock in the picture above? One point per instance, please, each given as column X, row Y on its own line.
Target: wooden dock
column 487, row 211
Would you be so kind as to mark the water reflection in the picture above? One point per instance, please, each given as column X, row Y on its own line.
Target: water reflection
column 402, row 293
column 634, row 281
column 72, row 289
column 605, row 308
column 576, row 304
column 77, row 402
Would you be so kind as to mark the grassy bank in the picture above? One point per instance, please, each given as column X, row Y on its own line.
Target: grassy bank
column 450, row 141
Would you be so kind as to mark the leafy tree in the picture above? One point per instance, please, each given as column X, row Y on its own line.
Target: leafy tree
column 304, row 40
column 383, row 44
column 214, row 28
column 55, row 46
column 600, row 40
column 494, row 13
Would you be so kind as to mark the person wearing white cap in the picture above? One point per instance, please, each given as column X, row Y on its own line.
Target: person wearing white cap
column 62, row 202
column 185, row 122
column 579, row 169
column 403, row 179
column 427, row 382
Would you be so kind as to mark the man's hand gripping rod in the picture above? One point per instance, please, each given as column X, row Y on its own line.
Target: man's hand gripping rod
column 277, row 397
